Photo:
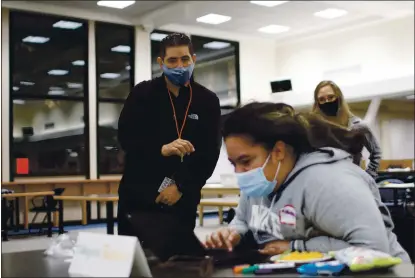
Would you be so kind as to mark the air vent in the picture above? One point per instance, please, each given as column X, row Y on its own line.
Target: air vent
column 27, row 131
column 49, row 125
column 281, row 86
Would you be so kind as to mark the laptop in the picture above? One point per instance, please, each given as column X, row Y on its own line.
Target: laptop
column 166, row 238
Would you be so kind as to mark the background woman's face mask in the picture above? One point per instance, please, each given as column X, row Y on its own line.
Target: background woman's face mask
column 330, row 108
column 254, row 182
column 179, row 76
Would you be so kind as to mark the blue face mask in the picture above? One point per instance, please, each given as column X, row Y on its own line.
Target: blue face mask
column 254, row 183
column 179, row 76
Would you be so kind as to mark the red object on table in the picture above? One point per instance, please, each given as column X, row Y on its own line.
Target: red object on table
column 22, row 166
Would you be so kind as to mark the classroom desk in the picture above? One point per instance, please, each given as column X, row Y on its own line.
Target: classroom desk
column 220, row 190
column 36, row 264
column 27, row 196
column 108, row 199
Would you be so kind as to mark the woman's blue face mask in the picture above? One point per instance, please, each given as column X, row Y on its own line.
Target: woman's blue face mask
column 254, row 183
column 178, row 76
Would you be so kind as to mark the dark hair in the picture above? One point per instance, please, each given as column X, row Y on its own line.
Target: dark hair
column 266, row 123
column 175, row 39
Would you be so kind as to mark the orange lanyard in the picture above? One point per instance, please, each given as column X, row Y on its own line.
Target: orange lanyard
column 180, row 132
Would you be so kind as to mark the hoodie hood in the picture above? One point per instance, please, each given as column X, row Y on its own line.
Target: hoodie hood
column 322, row 156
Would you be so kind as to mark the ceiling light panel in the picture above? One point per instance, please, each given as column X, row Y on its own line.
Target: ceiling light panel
column 35, row 39
column 213, row 19
column 72, row 85
column 216, row 45
column 63, row 24
column 121, row 49
column 330, row 13
column 15, row 88
column 27, row 83
column 58, row 72
column 268, row 3
column 115, row 4
column 56, row 92
column 274, row 29
column 157, row 36
column 110, row 75
column 78, row 63
column 18, row 101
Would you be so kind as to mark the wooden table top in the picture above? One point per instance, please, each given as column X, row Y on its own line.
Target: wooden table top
column 27, row 194
column 88, row 198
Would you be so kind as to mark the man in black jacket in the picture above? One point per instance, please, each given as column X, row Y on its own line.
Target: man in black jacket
column 169, row 130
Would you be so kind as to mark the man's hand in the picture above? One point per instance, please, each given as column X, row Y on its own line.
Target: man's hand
column 275, row 247
column 224, row 238
column 169, row 196
column 178, row 147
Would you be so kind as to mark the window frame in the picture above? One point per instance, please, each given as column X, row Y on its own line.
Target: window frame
column 235, row 44
column 111, row 100
column 23, row 96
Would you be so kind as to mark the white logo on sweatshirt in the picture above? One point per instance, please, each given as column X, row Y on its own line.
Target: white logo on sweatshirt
column 265, row 220
column 193, row 116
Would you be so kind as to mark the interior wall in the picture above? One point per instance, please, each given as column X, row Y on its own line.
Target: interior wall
column 364, row 54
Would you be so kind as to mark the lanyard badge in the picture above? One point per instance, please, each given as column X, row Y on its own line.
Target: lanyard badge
column 180, row 131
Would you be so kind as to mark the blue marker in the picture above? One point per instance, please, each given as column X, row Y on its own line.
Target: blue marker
column 322, row 268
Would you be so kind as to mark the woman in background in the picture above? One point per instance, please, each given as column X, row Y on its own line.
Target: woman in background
column 299, row 190
column 330, row 103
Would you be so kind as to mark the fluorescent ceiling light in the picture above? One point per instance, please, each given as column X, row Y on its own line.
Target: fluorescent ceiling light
column 27, row 83
column 63, row 24
column 216, row 45
column 78, row 63
column 268, row 3
column 115, row 4
column 121, row 48
column 18, row 101
column 213, row 19
column 157, row 36
column 36, row 39
column 411, row 97
column 57, row 72
column 56, row 92
column 274, row 29
column 15, row 88
column 330, row 13
column 74, row 85
column 128, row 67
column 110, row 75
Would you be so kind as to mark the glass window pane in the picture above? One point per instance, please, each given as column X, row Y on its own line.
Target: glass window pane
column 111, row 157
column 217, row 68
column 115, row 60
column 156, row 36
column 48, row 55
column 50, row 135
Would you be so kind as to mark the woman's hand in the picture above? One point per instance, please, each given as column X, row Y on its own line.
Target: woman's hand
column 223, row 238
column 275, row 247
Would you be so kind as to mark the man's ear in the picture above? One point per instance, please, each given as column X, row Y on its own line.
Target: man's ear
column 160, row 61
column 194, row 58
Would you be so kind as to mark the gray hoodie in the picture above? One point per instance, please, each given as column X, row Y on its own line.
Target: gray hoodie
column 327, row 203
column 370, row 143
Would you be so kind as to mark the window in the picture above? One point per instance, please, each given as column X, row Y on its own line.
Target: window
column 49, row 97
column 217, row 68
column 156, row 37
column 115, row 79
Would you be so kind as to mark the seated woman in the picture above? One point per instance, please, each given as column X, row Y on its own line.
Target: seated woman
column 299, row 189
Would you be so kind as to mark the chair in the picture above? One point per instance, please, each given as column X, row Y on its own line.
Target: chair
column 43, row 208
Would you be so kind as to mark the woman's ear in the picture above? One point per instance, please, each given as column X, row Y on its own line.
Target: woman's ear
column 278, row 152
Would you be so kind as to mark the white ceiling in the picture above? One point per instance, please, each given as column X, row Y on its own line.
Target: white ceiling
column 247, row 18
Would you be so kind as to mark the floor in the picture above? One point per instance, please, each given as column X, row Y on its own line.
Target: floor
column 18, row 244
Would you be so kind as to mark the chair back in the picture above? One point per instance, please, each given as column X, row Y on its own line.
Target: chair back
column 50, row 200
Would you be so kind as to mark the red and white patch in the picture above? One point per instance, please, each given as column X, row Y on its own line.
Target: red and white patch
column 288, row 215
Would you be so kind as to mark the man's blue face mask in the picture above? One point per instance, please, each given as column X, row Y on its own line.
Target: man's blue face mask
column 179, row 76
